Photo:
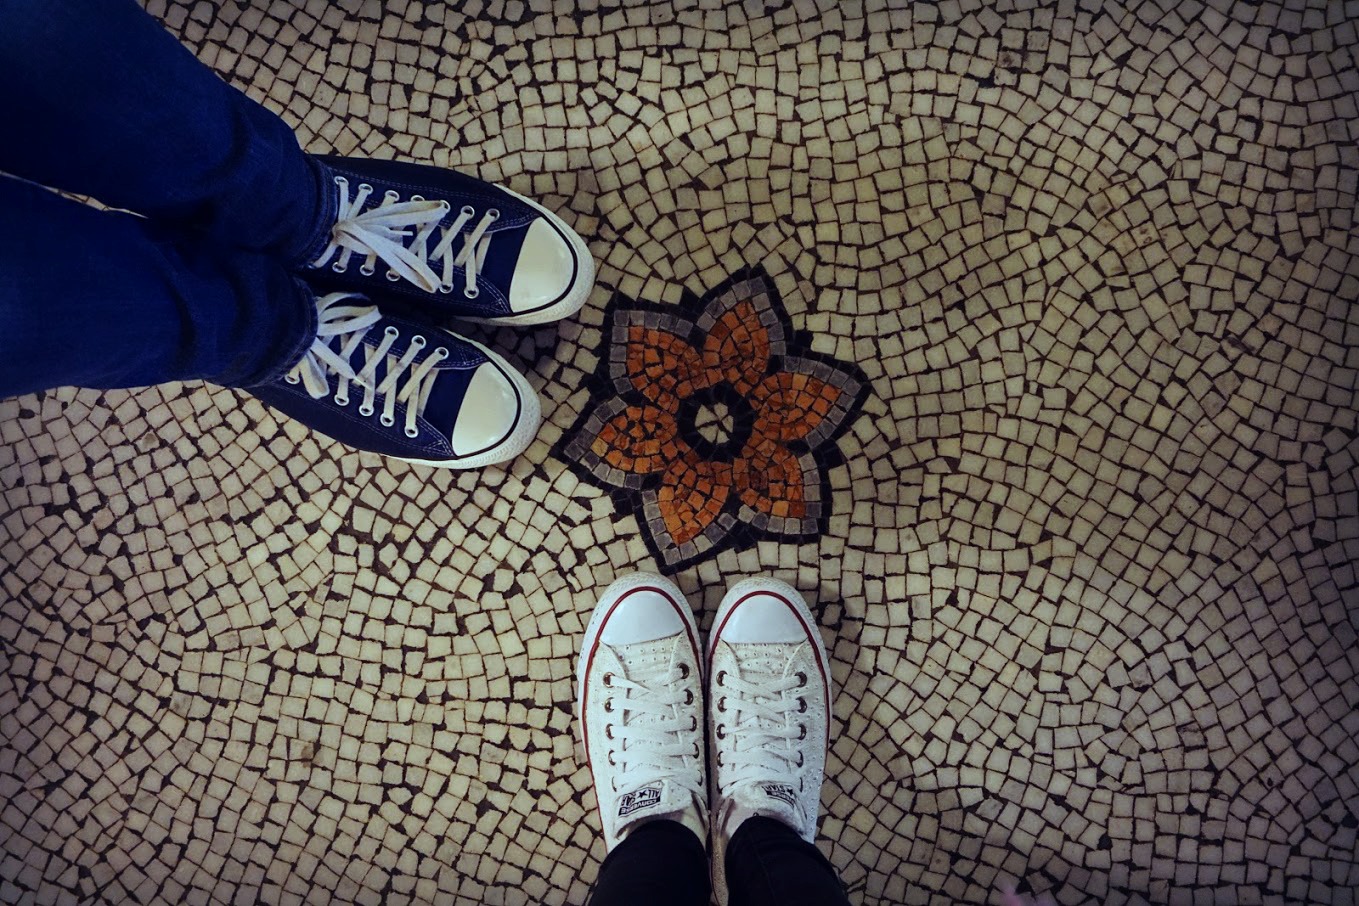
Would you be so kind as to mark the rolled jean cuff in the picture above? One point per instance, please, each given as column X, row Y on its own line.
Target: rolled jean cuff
column 315, row 240
column 295, row 348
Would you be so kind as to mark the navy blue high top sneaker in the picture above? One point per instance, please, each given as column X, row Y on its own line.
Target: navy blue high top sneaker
column 449, row 244
column 406, row 390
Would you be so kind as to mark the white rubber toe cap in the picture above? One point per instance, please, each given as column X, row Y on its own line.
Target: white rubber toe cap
column 546, row 267
column 646, row 615
column 763, row 618
column 490, row 412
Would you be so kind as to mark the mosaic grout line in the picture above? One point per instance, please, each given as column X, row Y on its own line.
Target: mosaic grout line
column 1081, row 537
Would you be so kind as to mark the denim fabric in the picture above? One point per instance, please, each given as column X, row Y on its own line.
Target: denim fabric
column 768, row 864
column 101, row 101
column 105, row 299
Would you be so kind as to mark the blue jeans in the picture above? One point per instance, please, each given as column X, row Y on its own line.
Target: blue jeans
column 100, row 100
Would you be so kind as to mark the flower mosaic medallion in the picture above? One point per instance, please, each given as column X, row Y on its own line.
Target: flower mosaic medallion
column 712, row 423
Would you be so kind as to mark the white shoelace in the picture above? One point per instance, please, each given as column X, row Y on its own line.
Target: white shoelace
column 650, row 746
column 761, row 744
column 399, row 232
column 407, row 381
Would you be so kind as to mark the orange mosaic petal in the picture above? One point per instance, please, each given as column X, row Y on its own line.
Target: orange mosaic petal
column 664, row 367
column 692, row 494
column 769, row 479
column 789, row 405
column 737, row 348
column 640, row 439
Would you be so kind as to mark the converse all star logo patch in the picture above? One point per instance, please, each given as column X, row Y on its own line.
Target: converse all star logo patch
column 780, row 791
column 646, row 797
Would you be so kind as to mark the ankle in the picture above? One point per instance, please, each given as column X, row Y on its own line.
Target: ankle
column 688, row 817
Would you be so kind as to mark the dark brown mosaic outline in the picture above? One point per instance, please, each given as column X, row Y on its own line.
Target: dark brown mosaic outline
column 737, row 527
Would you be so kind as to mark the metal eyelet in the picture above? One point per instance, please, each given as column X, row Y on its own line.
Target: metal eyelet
column 801, row 705
column 341, row 181
column 445, row 288
column 608, row 680
column 693, row 724
column 493, row 214
column 720, row 675
column 471, row 292
column 688, row 696
column 339, row 268
column 291, row 378
column 364, row 185
column 341, row 400
column 608, row 705
column 799, row 759
column 365, row 410
column 608, row 731
column 441, row 353
column 684, row 671
column 802, row 731
column 392, row 331
column 611, row 761
column 719, row 759
column 367, row 271
column 445, row 206
column 387, row 420
column 722, row 703
column 721, row 731
column 418, row 341
column 391, row 195
column 468, row 210
column 417, row 198
column 412, row 432
column 393, row 276
column 801, row 678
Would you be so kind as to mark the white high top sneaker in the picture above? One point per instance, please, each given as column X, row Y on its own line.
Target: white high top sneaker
column 639, row 700
column 768, row 713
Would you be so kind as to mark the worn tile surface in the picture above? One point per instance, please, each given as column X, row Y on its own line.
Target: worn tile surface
column 1082, row 546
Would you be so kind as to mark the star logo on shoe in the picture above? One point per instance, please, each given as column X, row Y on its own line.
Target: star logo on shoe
column 646, row 797
column 781, row 791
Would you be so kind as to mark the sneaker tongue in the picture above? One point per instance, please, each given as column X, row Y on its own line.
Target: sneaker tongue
column 770, row 798
column 656, row 797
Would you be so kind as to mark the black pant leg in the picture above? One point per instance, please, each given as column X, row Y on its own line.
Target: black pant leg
column 659, row 863
column 768, row 864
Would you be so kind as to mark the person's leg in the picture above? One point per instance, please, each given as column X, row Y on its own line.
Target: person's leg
column 768, row 732
column 103, row 299
column 768, row 864
column 110, row 105
column 639, row 701
column 102, row 101
column 660, row 863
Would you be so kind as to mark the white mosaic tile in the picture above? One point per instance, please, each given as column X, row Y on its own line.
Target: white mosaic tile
column 1087, row 577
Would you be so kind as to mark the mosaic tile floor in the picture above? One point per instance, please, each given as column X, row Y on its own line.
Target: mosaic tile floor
column 1021, row 338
